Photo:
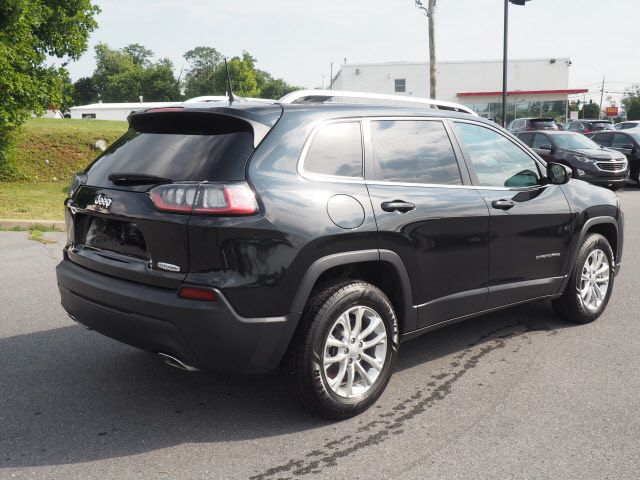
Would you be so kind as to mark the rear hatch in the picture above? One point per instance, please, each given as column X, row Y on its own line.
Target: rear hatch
column 114, row 225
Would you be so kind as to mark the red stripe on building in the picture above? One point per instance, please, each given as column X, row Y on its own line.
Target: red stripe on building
column 524, row 92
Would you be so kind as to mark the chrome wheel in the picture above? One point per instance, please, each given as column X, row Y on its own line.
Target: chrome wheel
column 355, row 351
column 594, row 282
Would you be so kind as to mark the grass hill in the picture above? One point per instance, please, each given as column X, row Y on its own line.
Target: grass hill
column 49, row 150
column 45, row 155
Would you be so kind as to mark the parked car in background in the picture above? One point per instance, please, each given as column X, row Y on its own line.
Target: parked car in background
column 588, row 125
column 587, row 160
column 626, row 142
column 529, row 124
column 627, row 125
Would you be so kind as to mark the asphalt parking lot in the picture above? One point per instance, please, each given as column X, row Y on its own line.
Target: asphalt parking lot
column 517, row 394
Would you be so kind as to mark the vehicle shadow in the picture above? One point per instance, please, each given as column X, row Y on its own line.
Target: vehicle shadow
column 69, row 396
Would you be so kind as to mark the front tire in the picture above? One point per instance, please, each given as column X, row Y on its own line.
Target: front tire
column 343, row 353
column 590, row 284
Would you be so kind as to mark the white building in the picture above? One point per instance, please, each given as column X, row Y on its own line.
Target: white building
column 535, row 86
column 113, row 111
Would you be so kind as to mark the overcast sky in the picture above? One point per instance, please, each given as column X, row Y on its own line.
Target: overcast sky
column 297, row 39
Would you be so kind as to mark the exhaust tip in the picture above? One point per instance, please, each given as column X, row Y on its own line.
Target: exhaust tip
column 174, row 362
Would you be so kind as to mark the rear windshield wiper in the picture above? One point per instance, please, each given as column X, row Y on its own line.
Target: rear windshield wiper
column 137, row 179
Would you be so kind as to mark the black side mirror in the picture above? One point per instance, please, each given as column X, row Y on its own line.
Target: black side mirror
column 546, row 146
column 558, row 174
column 627, row 146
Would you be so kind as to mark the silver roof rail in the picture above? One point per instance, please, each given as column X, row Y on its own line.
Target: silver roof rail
column 324, row 96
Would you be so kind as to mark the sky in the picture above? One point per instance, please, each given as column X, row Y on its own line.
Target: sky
column 298, row 39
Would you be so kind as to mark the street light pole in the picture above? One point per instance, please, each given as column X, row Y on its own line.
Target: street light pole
column 504, row 56
column 504, row 63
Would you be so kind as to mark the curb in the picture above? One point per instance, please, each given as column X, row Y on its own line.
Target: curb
column 8, row 223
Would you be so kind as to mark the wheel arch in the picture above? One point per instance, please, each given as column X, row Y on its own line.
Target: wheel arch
column 369, row 265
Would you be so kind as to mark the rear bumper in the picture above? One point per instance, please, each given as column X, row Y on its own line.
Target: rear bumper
column 205, row 335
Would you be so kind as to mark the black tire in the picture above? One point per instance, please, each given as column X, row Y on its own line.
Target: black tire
column 304, row 360
column 570, row 305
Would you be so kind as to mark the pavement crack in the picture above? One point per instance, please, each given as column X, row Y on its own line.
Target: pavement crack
column 379, row 430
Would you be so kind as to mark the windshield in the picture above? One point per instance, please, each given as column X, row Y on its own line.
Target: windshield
column 574, row 140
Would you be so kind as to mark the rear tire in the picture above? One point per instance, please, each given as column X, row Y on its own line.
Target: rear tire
column 343, row 353
column 590, row 284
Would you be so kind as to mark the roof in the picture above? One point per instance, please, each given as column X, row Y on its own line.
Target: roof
column 567, row 91
column 424, row 62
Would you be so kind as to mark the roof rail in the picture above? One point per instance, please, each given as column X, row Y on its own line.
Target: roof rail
column 323, row 96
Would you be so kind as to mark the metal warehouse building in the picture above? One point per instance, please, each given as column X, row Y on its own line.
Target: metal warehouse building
column 536, row 87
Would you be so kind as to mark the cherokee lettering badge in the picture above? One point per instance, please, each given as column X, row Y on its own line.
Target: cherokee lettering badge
column 103, row 201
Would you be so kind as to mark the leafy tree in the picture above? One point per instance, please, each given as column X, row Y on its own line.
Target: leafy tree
column 590, row 110
column 273, row 87
column 242, row 71
column 85, row 91
column 125, row 75
column 30, row 32
column 631, row 102
column 203, row 62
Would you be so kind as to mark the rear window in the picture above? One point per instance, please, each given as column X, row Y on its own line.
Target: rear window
column 179, row 156
column 543, row 123
column 600, row 126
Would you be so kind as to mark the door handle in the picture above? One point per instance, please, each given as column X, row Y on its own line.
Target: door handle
column 398, row 206
column 502, row 204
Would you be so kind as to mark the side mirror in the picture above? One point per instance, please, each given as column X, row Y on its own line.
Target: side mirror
column 627, row 146
column 546, row 146
column 558, row 174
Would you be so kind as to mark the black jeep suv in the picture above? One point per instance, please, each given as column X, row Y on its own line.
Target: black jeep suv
column 246, row 236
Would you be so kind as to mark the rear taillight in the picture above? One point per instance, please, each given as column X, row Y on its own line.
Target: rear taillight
column 205, row 198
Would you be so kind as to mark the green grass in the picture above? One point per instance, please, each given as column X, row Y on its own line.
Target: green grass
column 32, row 201
column 48, row 150
column 36, row 232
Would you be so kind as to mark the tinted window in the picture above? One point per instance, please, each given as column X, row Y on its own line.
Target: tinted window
column 600, row 126
column 413, row 151
column 400, row 85
column 540, row 140
column 544, row 123
column 620, row 141
column 336, row 149
column 603, row 139
column 526, row 138
column 624, row 126
column 497, row 161
column 175, row 156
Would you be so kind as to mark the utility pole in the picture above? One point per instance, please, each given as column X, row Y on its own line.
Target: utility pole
column 331, row 77
column 505, row 43
column 429, row 11
column 601, row 97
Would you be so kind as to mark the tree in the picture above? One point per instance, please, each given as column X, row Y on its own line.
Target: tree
column 631, row 102
column 125, row 75
column 590, row 110
column 85, row 91
column 242, row 72
column 202, row 65
column 31, row 31
column 206, row 75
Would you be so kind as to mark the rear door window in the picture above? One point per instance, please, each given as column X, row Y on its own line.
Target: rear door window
column 621, row 141
column 603, row 139
column 413, row 151
column 526, row 138
column 496, row 160
column 600, row 126
column 541, row 140
column 336, row 149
